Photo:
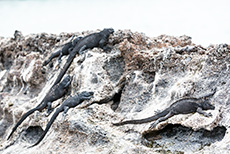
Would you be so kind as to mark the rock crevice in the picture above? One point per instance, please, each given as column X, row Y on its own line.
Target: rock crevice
column 138, row 77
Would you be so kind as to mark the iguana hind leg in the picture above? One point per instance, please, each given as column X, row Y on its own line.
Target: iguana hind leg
column 153, row 125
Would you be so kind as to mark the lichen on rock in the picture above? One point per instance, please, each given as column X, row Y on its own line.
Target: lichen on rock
column 141, row 74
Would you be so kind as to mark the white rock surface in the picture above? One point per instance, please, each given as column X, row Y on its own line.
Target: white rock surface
column 157, row 71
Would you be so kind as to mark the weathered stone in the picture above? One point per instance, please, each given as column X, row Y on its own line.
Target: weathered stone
column 156, row 72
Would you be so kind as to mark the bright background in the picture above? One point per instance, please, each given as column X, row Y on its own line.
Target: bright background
column 206, row 21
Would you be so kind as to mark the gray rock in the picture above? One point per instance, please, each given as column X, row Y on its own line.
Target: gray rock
column 157, row 71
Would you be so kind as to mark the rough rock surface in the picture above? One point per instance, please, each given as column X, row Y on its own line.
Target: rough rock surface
column 157, row 71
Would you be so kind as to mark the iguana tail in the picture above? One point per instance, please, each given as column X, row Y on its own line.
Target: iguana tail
column 39, row 107
column 141, row 121
column 210, row 94
column 68, row 62
column 48, row 126
column 54, row 55
column 65, row 68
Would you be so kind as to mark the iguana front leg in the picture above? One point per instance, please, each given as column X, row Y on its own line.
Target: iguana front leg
column 66, row 108
column 49, row 108
column 103, row 45
column 200, row 111
column 82, row 52
column 59, row 59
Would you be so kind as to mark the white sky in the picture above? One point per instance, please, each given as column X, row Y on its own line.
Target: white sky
column 206, row 21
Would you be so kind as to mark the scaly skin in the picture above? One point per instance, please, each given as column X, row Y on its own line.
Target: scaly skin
column 88, row 42
column 65, row 50
column 56, row 92
column 181, row 106
column 71, row 102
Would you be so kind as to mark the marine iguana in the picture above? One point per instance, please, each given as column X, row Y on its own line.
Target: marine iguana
column 56, row 92
column 65, row 50
column 71, row 102
column 181, row 106
column 88, row 42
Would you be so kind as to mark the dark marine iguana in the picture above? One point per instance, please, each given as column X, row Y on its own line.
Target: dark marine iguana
column 71, row 102
column 56, row 92
column 88, row 42
column 65, row 50
column 181, row 106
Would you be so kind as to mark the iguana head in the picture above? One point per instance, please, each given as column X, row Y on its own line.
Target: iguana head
column 85, row 95
column 74, row 42
column 108, row 31
column 206, row 105
column 66, row 81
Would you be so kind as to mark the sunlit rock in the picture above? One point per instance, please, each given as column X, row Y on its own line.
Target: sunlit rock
column 139, row 77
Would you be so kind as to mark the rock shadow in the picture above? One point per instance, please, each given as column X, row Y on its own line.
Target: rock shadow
column 32, row 134
column 177, row 138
